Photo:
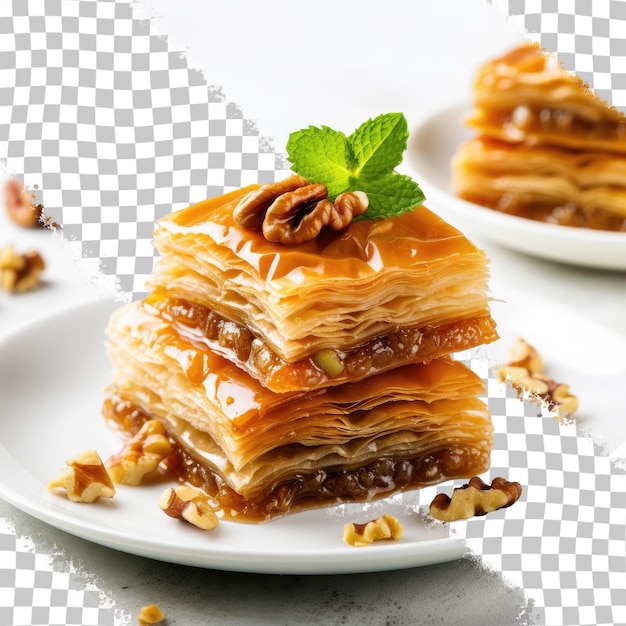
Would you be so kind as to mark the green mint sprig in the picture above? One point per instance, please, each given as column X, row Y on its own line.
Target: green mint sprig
column 364, row 161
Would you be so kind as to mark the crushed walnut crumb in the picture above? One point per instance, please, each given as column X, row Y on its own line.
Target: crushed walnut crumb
column 525, row 371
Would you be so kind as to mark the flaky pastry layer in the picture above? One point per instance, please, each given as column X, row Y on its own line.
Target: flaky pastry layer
column 205, row 329
column 336, row 292
column 527, row 96
column 172, row 379
column 260, row 454
column 353, row 448
column 555, row 185
column 296, row 478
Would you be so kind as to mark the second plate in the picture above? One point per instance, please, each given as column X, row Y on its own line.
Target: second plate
column 431, row 146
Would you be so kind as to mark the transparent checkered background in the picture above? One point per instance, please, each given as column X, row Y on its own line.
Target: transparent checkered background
column 117, row 130
column 564, row 541
column 588, row 36
column 32, row 591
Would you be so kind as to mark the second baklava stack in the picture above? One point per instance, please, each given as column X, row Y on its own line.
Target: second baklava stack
column 303, row 374
column 547, row 147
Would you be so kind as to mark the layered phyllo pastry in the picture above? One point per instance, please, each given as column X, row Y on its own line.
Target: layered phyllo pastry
column 546, row 147
column 309, row 364
column 338, row 308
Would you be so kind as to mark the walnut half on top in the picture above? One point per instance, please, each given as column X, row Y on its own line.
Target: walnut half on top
column 294, row 211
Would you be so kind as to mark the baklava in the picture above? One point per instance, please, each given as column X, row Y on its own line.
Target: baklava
column 547, row 148
column 297, row 376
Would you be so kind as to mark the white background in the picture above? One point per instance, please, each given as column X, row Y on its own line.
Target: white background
column 335, row 62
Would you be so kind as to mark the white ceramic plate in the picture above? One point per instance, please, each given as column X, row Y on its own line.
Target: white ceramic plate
column 52, row 373
column 431, row 146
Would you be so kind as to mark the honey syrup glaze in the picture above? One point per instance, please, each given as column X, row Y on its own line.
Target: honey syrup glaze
column 325, row 487
column 358, row 252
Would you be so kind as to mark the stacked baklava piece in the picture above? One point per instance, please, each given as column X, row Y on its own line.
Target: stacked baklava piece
column 547, row 147
column 297, row 376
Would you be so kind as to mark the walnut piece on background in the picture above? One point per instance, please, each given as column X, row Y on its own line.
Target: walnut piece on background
column 525, row 373
column 85, row 479
column 522, row 354
column 385, row 527
column 20, row 205
column 20, row 272
column 475, row 498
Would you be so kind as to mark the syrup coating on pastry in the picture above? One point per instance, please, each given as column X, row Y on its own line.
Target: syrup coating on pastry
column 337, row 291
column 171, row 378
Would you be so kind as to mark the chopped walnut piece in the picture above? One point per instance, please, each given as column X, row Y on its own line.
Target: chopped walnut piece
column 20, row 272
column 525, row 372
column 475, row 498
column 385, row 527
column 141, row 455
column 85, row 479
column 522, row 354
column 567, row 403
column 191, row 505
column 294, row 211
column 20, row 205
column 150, row 614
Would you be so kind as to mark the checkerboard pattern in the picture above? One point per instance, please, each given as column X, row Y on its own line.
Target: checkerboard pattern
column 564, row 541
column 589, row 37
column 116, row 130
column 33, row 592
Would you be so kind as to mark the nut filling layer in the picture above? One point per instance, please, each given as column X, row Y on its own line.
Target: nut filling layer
column 235, row 342
column 380, row 478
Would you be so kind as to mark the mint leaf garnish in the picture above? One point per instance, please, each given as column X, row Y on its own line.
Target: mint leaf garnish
column 394, row 194
column 364, row 161
column 378, row 145
column 323, row 156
